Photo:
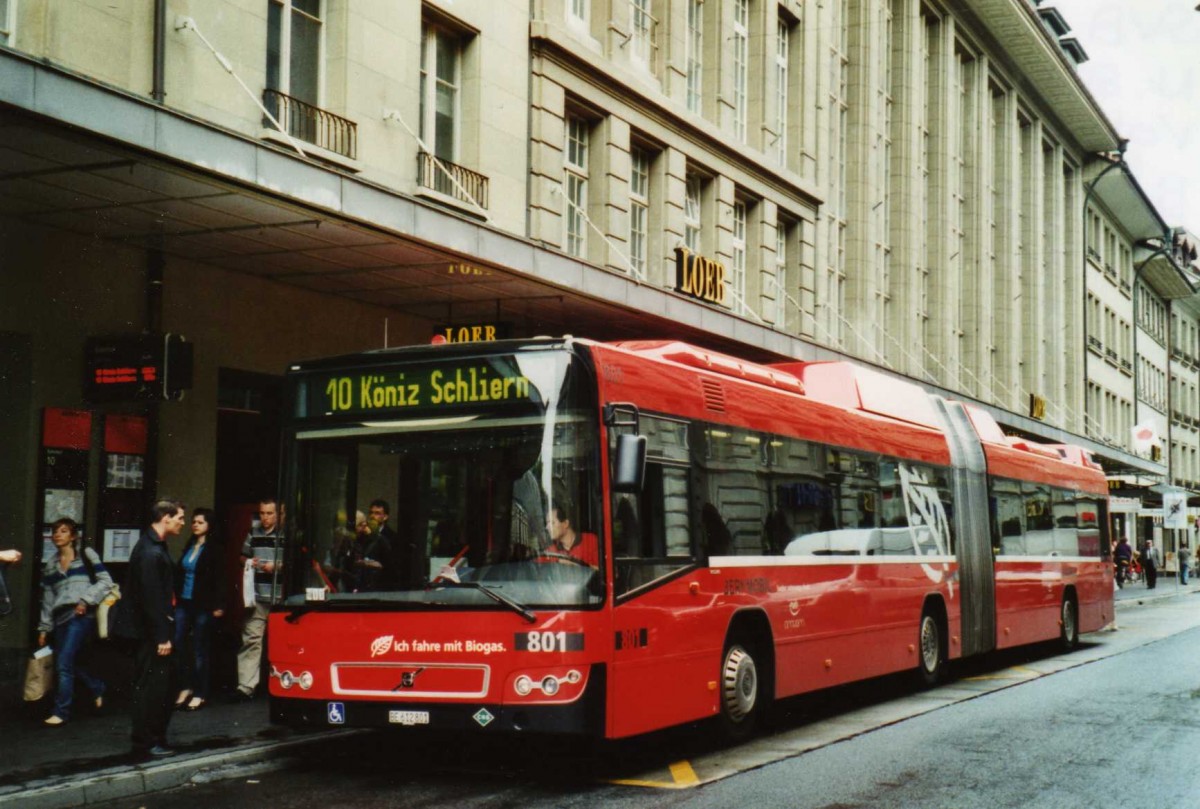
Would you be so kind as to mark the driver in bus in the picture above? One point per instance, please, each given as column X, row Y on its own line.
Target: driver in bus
column 565, row 541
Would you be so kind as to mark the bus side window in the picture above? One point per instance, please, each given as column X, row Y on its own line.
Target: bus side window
column 627, row 529
column 651, row 537
column 1010, row 511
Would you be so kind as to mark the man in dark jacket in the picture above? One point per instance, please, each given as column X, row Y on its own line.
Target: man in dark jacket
column 151, row 600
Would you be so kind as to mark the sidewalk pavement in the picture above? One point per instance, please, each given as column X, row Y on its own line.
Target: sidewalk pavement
column 1168, row 585
column 87, row 760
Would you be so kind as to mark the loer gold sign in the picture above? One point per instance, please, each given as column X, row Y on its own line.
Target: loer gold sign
column 699, row 277
column 1037, row 407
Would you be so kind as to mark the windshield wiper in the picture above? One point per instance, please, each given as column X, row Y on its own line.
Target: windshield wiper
column 516, row 607
column 298, row 611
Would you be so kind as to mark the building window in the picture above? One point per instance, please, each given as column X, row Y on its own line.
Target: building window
column 643, row 28
column 6, row 14
column 694, row 58
column 294, row 48
column 741, row 67
column 639, row 208
column 781, row 273
column 579, row 10
column 577, row 185
column 832, row 291
column 691, row 214
column 737, row 269
column 441, row 60
column 783, row 43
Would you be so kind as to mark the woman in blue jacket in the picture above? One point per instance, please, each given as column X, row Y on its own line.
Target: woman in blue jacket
column 198, row 592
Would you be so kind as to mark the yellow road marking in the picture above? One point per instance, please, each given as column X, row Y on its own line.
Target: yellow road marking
column 682, row 775
column 1010, row 673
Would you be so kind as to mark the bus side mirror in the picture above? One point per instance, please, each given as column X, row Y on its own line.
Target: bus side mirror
column 629, row 471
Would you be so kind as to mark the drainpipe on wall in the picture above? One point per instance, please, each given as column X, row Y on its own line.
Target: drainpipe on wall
column 158, row 91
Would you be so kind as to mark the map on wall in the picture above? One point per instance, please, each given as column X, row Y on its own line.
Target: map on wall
column 124, row 471
column 61, row 503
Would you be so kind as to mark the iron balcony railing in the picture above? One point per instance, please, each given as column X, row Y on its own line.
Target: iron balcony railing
column 312, row 124
column 474, row 184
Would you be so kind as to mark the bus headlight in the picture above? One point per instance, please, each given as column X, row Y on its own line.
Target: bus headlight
column 557, row 684
column 306, row 680
column 287, row 679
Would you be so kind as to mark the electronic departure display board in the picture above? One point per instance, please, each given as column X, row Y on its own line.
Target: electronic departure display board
column 136, row 367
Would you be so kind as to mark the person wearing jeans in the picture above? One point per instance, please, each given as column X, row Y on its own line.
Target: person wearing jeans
column 198, row 586
column 1184, row 556
column 73, row 583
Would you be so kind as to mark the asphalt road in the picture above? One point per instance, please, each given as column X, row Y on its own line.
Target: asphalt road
column 1121, row 730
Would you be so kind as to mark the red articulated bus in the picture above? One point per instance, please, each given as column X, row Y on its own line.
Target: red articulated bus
column 609, row 539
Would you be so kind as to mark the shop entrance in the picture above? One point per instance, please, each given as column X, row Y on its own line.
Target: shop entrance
column 248, row 431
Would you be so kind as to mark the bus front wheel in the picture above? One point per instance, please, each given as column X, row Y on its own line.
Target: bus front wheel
column 740, row 691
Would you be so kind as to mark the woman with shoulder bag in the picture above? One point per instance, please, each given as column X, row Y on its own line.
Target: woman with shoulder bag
column 73, row 583
column 198, row 585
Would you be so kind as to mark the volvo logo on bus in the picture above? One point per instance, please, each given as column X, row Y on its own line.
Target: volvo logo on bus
column 409, row 678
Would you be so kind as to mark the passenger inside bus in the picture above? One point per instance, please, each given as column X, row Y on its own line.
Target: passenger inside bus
column 717, row 539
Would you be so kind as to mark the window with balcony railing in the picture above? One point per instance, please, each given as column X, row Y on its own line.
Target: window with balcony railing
column 294, row 51
column 312, row 124
column 452, row 180
column 294, row 36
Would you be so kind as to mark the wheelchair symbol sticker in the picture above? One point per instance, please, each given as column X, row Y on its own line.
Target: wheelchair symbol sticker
column 336, row 713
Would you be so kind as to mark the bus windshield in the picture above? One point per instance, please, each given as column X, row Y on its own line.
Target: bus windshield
column 480, row 491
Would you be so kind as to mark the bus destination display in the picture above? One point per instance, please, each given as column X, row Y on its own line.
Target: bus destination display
column 378, row 391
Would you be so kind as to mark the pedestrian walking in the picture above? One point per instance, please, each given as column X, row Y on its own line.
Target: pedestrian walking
column 1122, row 556
column 74, row 582
column 263, row 550
column 1184, row 556
column 1151, row 559
column 151, row 601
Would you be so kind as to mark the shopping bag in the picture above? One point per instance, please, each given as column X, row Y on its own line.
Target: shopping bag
column 39, row 674
column 105, row 614
column 248, row 584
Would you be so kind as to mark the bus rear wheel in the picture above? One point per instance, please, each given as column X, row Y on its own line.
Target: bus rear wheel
column 740, row 692
column 1069, row 623
column 929, row 650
